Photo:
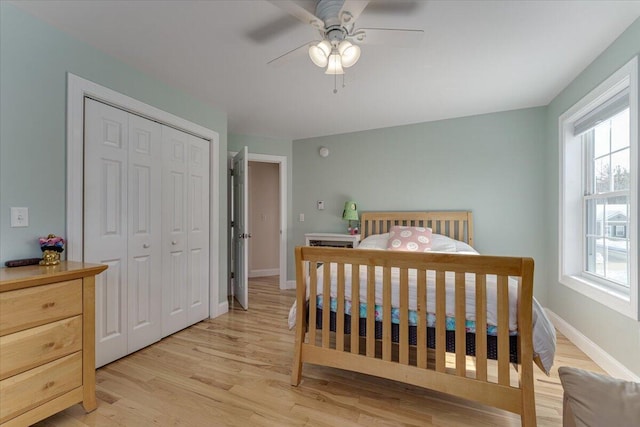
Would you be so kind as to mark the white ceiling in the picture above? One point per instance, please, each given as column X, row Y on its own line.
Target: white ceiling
column 476, row 57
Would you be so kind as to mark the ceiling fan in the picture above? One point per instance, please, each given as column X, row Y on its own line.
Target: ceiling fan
column 338, row 47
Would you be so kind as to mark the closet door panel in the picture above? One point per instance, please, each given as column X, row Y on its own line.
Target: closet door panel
column 198, row 230
column 105, row 222
column 145, row 233
column 175, row 146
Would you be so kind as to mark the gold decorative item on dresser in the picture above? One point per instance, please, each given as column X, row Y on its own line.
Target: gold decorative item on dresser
column 47, row 340
column 51, row 247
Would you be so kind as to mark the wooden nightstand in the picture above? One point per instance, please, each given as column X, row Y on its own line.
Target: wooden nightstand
column 336, row 240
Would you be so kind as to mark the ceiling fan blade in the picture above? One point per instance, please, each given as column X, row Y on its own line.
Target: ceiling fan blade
column 285, row 57
column 273, row 29
column 389, row 36
column 353, row 8
column 301, row 10
column 397, row 7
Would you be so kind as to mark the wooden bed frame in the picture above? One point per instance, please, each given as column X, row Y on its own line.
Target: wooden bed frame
column 487, row 381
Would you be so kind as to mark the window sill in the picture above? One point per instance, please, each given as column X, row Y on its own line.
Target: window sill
column 606, row 296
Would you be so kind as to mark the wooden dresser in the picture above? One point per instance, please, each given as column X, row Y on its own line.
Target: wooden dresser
column 47, row 340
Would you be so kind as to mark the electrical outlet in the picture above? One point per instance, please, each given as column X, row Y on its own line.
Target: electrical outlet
column 320, row 205
column 19, row 217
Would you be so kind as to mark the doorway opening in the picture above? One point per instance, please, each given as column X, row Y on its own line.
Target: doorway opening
column 266, row 224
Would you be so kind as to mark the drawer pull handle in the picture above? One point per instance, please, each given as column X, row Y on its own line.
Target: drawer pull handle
column 49, row 384
column 49, row 344
column 48, row 304
column 146, row 245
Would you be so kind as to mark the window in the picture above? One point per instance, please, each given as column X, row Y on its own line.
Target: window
column 599, row 193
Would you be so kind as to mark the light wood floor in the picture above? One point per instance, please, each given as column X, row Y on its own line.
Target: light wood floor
column 234, row 371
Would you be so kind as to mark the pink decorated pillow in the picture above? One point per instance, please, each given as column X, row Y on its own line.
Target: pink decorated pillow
column 411, row 239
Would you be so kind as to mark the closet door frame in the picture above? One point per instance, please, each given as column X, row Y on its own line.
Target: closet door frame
column 79, row 88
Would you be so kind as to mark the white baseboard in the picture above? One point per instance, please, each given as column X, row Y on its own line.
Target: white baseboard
column 612, row 366
column 223, row 308
column 264, row 272
column 290, row 284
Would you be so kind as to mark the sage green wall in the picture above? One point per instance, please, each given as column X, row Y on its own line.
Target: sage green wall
column 34, row 60
column 274, row 147
column 490, row 164
column 618, row 335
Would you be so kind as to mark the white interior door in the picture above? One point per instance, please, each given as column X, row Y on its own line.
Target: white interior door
column 240, row 228
column 145, row 233
column 174, row 239
column 105, row 223
column 198, row 230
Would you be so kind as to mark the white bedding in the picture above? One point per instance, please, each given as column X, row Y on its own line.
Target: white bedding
column 543, row 332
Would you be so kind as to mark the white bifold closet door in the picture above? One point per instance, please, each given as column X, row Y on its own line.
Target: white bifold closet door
column 128, row 208
column 185, row 216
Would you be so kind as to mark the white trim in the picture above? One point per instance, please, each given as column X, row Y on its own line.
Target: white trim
column 264, row 272
column 291, row 284
column 79, row 88
column 570, row 258
column 607, row 362
column 223, row 308
column 282, row 174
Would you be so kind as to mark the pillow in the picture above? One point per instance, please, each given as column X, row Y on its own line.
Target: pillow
column 598, row 400
column 411, row 239
column 375, row 241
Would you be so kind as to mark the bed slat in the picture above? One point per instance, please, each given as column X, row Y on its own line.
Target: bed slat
column 404, row 316
column 440, row 321
column 355, row 308
column 313, row 283
column 461, row 331
column 371, row 311
column 422, row 319
column 326, row 298
column 503, row 330
column 386, row 314
column 481, row 327
column 340, row 314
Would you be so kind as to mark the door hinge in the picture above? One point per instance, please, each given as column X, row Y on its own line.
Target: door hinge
column 233, row 275
column 231, row 172
column 233, row 223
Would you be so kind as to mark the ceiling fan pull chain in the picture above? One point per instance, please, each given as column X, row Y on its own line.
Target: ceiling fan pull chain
column 335, row 83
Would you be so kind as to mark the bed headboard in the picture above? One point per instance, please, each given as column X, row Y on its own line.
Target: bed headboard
column 455, row 224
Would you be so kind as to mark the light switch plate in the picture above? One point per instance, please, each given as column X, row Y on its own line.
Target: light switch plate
column 19, row 217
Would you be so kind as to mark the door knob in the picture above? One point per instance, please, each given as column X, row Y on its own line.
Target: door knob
column 146, row 245
column 173, row 242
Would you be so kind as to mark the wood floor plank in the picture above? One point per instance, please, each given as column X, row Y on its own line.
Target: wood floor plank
column 235, row 371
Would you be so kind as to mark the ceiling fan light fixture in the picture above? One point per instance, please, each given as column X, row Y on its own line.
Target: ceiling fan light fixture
column 335, row 64
column 319, row 53
column 350, row 53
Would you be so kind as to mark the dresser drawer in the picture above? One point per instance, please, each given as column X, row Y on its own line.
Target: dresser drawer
column 25, row 308
column 29, row 389
column 26, row 349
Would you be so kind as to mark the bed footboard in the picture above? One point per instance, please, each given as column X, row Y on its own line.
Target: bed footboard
column 477, row 377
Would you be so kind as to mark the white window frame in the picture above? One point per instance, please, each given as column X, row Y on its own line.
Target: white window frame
column 571, row 218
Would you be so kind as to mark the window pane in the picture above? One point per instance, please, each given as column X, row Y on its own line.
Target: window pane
column 595, row 256
column 620, row 132
column 601, row 137
column 616, row 215
column 602, row 176
column 607, row 240
column 616, row 258
column 594, row 217
column 620, row 169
